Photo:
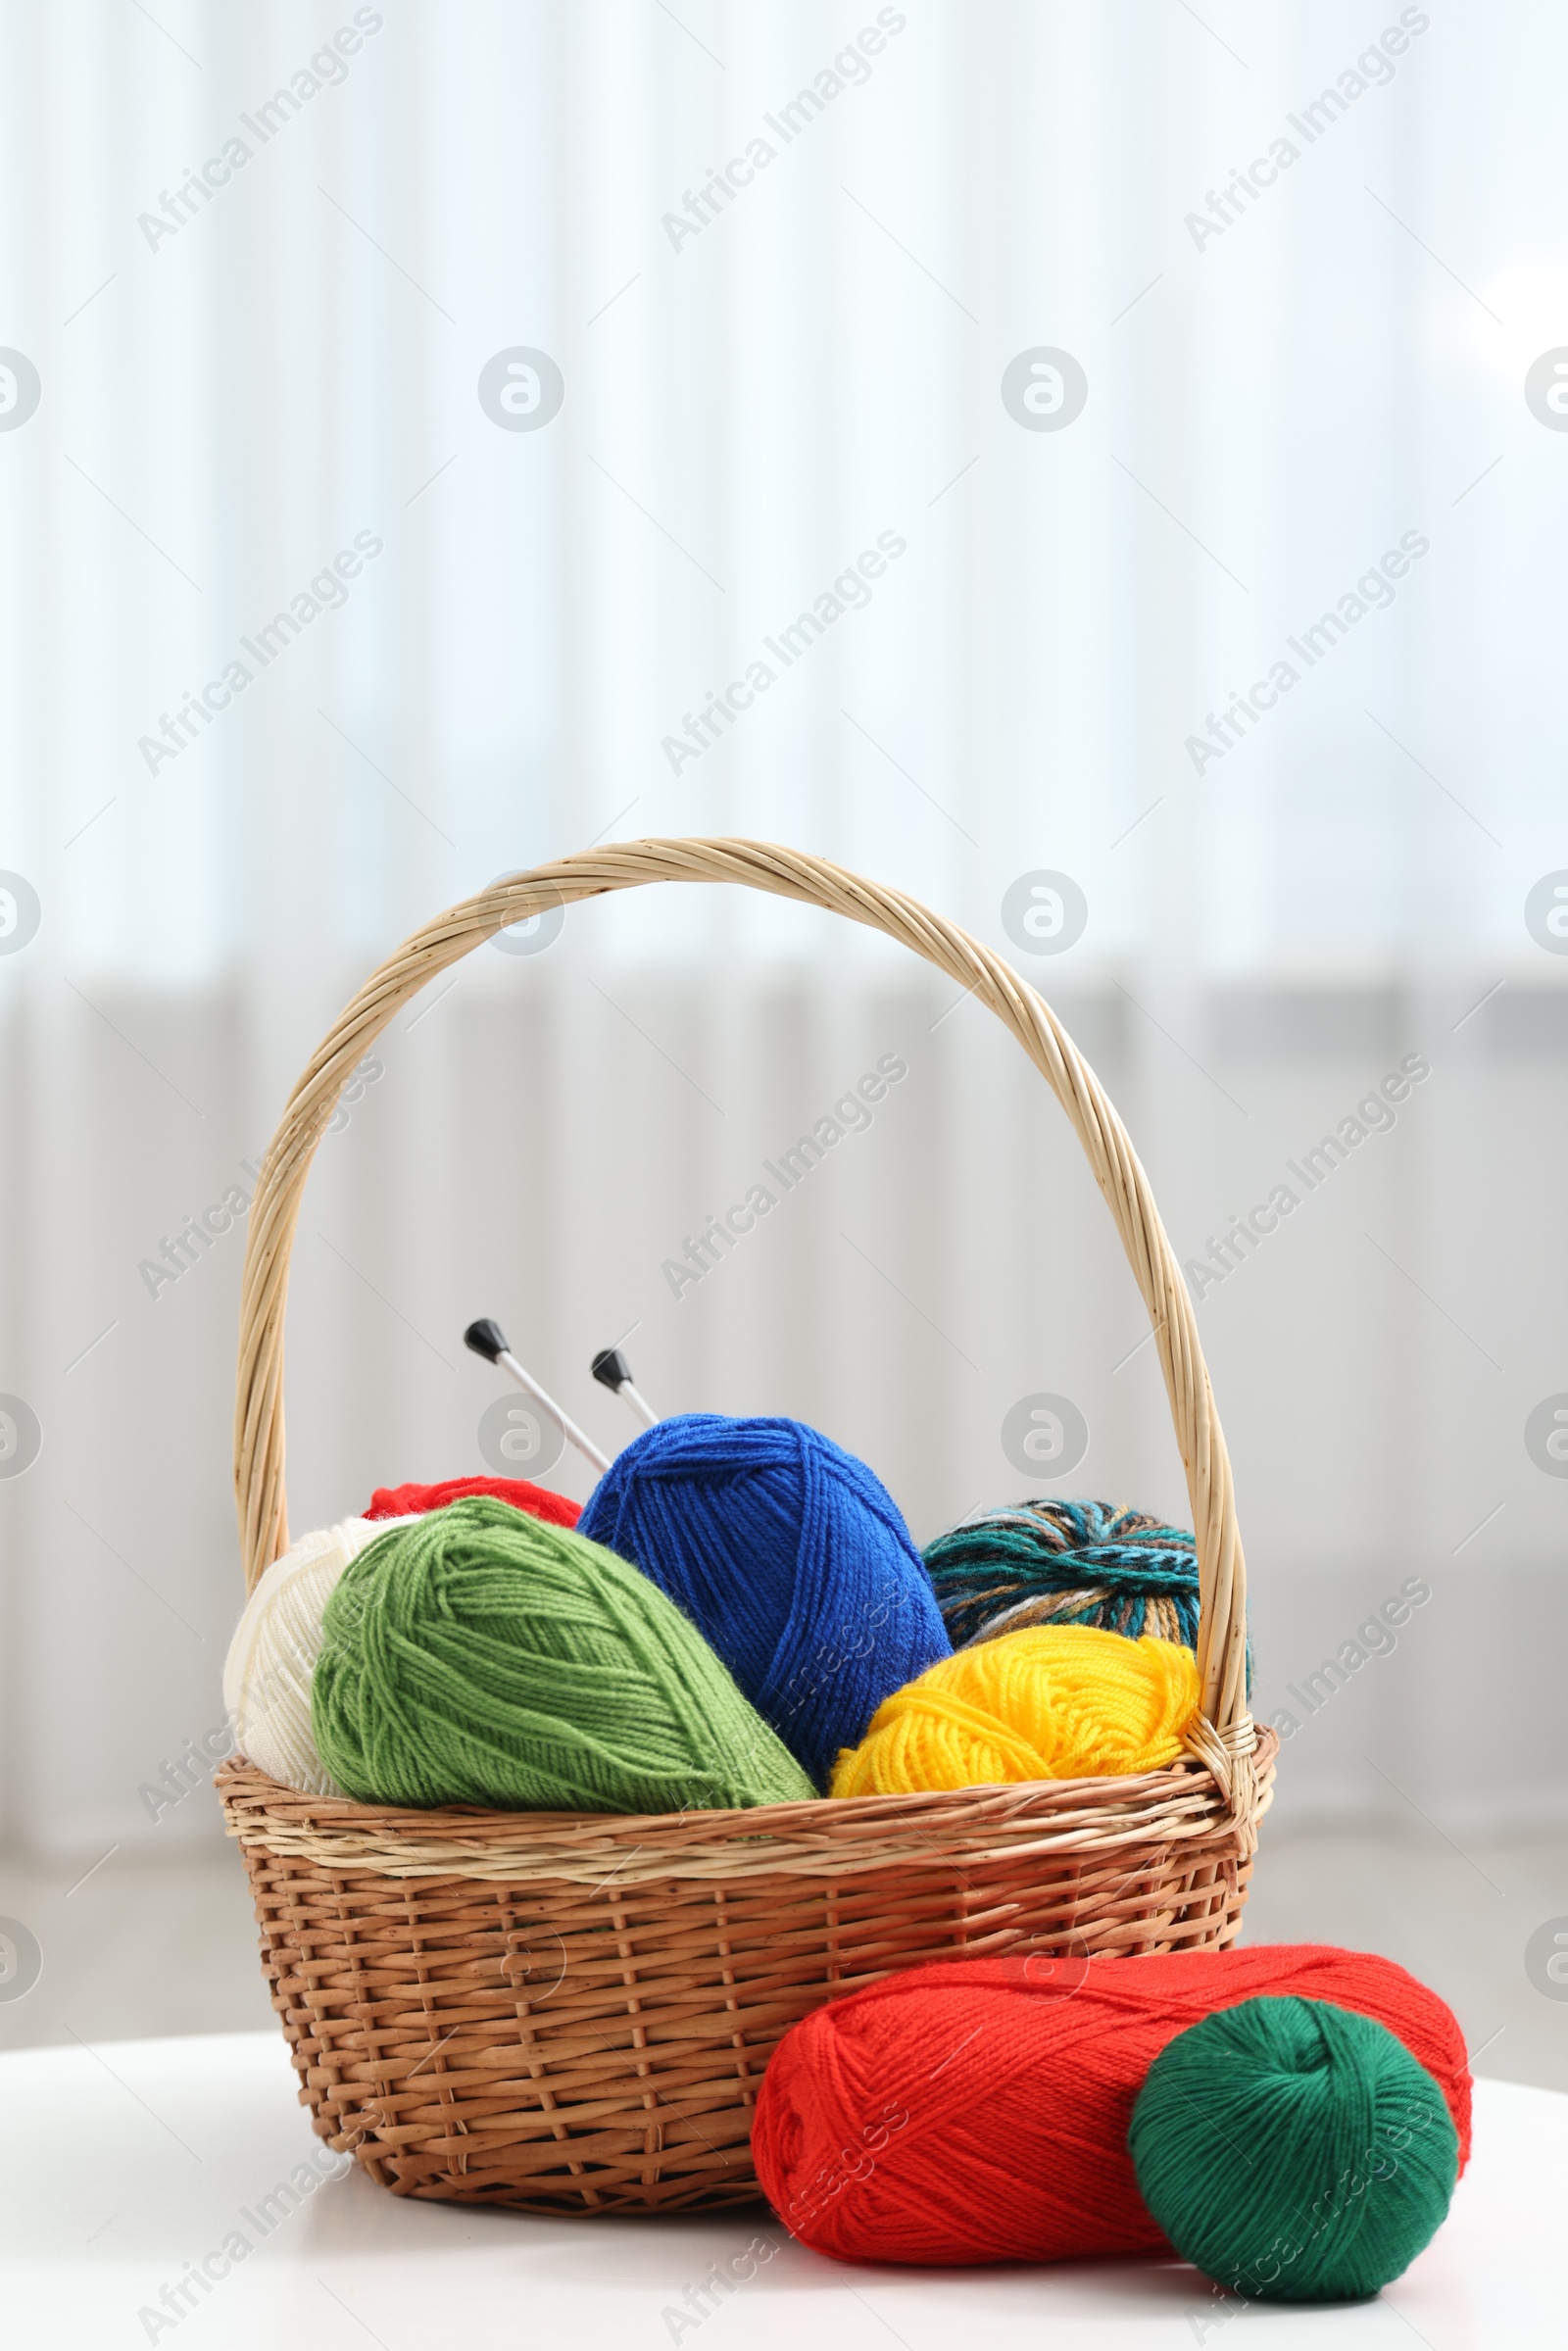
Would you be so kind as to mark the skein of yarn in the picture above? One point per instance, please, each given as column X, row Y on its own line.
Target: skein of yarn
column 1056, row 1702
column 408, row 1502
column 1053, row 1562
column 1294, row 2151
column 266, row 1674
column 789, row 1555
column 978, row 2110
column 477, row 1655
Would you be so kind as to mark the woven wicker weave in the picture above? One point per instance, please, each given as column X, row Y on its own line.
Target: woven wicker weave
column 573, row 2012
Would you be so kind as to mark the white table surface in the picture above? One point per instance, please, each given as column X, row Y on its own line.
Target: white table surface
column 120, row 2164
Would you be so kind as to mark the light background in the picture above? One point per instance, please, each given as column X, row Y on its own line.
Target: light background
column 1268, row 411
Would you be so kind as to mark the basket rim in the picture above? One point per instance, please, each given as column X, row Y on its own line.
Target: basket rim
column 819, row 1836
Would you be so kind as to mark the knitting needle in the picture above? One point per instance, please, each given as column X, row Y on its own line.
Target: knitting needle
column 613, row 1371
column 487, row 1339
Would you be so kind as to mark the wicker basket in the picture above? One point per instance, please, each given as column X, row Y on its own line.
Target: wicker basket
column 567, row 2012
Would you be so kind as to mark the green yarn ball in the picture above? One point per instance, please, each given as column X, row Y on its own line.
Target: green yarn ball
column 1294, row 2151
column 479, row 1656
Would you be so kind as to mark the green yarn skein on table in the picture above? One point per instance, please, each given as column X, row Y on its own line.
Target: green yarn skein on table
column 479, row 1656
column 1295, row 2151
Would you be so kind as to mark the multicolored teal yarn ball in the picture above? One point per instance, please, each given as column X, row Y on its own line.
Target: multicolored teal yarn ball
column 1294, row 2151
column 1052, row 1562
column 477, row 1655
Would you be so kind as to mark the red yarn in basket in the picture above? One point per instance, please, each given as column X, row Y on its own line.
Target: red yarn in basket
column 977, row 2110
column 407, row 1501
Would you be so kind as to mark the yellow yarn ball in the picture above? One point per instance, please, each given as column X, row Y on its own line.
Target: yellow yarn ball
column 1050, row 1702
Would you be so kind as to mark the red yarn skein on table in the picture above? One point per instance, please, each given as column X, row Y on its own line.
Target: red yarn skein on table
column 977, row 2110
column 408, row 1502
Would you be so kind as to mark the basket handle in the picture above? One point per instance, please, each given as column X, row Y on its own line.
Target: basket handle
column 1226, row 1732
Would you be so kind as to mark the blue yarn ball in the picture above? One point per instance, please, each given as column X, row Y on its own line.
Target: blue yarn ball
column 791, row 1559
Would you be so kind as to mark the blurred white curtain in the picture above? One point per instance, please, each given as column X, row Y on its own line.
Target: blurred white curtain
column 1274, row 401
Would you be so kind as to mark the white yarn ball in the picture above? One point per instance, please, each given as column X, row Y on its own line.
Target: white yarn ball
column 271, row 1658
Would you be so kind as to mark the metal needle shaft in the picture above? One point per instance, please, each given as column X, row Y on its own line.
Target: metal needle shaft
column 487, row 1339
